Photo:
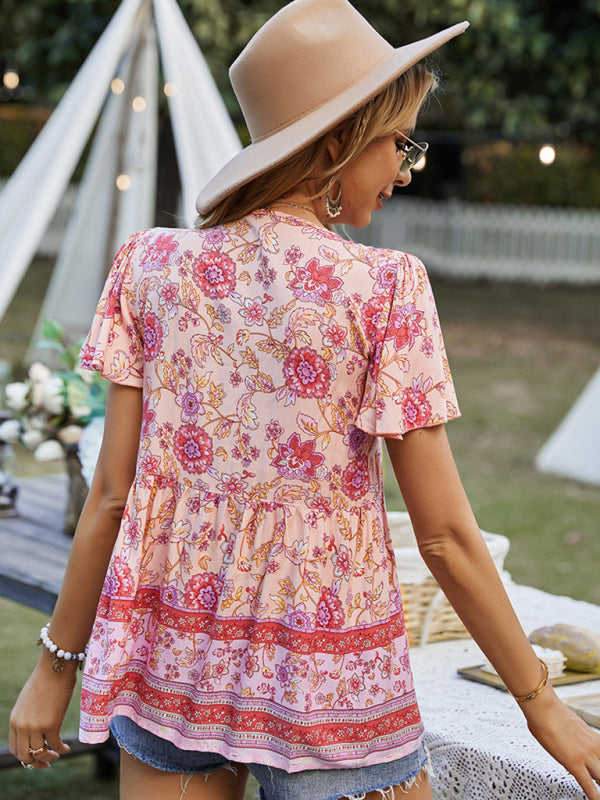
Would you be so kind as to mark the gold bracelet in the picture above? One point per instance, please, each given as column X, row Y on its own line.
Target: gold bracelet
column 525, row 697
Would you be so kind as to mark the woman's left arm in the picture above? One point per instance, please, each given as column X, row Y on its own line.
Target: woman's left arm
column 453, row 548
column 38, row 713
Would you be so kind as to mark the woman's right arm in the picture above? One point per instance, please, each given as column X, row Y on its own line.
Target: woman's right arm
column 453, row 548
column 38, row 713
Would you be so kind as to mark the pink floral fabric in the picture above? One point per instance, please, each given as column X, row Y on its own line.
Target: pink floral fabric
column 252, row 606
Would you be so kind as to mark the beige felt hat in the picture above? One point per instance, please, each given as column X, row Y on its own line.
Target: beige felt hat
column 309, row 67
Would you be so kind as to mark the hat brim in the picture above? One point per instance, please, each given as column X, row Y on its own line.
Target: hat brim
column 261, row 156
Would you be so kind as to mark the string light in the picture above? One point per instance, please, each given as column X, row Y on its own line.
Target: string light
column 547, row 154
column 170, row 89
column 11, row 79
column 123, row 182
column 139, row 104
column 117, row 86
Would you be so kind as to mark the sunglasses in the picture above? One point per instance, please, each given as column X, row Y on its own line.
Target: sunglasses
column 412, row 152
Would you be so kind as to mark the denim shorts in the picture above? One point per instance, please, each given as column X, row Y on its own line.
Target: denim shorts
column 275, row 784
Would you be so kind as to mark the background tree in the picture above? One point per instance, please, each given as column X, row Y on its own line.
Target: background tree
column 48, row 40
column 526, row 71
column 524, row 65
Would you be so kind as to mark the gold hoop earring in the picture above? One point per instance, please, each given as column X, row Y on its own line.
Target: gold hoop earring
column 333, row 204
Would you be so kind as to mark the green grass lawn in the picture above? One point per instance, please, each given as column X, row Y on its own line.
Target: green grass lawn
column 520, row 356
column 70, row 779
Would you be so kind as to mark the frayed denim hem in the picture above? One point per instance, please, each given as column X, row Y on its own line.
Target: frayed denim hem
column 387, row 793
column 370, row 784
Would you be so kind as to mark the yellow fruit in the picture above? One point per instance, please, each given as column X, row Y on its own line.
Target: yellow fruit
column 580, row 646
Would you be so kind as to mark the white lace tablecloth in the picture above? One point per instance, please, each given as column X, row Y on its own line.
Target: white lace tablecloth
column 479, row 742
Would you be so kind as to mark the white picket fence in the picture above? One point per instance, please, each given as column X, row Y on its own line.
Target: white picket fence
column 466, row 240
column 512, row 243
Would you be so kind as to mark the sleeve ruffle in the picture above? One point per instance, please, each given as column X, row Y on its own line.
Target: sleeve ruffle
column 113, row 345
column 408, row 384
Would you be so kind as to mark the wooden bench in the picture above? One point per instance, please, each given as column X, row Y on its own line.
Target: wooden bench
column 33, row 556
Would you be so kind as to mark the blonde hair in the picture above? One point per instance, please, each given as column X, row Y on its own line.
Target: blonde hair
column 390, row 110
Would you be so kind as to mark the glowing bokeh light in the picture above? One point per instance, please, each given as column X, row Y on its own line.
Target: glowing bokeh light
column 117, row 86
column 11, row 79
column 123, row 182
column 547, row 154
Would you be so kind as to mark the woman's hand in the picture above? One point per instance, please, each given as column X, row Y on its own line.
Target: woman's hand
column 567, row 738
column 38, row 714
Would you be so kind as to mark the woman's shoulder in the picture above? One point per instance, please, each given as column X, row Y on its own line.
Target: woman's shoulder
column 161, row 236
column 155, row 246
column 378, row 255
column 386, row 266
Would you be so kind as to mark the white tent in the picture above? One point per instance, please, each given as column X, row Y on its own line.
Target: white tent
column 119, row 83
column 573, row 450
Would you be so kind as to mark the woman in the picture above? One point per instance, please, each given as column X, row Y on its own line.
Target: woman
column 251, row 618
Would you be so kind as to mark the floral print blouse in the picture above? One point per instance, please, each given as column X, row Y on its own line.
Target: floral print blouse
column 252, row 606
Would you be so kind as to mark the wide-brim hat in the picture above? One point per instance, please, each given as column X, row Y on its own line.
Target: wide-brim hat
column 309, row 67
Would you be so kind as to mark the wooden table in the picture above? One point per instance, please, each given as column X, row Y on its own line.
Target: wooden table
column 33, row 548
column 477, row 735
column 33, row 556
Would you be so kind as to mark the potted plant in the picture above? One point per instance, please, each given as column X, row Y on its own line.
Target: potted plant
column 50, row 408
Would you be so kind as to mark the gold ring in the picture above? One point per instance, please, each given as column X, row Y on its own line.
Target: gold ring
column 27, row 766
column 38, row 751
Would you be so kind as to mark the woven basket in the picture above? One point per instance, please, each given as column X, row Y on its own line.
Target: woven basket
column 429, row 616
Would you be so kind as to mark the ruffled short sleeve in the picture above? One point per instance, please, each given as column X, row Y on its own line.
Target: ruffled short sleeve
column 114, row 346
column 408, row 384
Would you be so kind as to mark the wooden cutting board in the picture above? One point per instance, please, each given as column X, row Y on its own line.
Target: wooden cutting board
column 490, row 679
column 588, row 708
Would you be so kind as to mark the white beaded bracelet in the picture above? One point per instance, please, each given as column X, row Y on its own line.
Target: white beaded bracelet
column 60, row 656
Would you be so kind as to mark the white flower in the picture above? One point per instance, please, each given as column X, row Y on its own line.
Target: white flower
column 32, row 438
column 39, row 373
column 10, row 431
column 51, row 395
column 70, row 434
column 35, row 422
column 16, row 395
column 50, row 450
column 78, row 412
column 86, row 375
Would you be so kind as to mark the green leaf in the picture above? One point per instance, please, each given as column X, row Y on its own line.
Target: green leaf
column 53, row 331
column 70, row 356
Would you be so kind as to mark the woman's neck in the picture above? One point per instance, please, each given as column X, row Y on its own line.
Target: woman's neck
column 303, row 207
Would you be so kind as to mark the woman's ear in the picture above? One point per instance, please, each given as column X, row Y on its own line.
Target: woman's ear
column 335, row 142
